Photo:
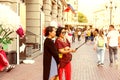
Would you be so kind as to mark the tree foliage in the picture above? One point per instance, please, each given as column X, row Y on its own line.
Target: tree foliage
column 82, row 18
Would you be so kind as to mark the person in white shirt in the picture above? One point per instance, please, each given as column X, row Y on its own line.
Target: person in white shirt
column 68, row 34
column 113, row 40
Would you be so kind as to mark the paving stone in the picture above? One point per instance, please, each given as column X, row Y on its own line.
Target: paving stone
column 84, row 67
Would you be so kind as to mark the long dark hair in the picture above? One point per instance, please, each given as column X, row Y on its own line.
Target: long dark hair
column 48, row 29
column 101, row 33
column 59, row 30
column 96, row 31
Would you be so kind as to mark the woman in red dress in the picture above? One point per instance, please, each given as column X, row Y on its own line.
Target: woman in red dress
column 4, row 64
column 64, row 49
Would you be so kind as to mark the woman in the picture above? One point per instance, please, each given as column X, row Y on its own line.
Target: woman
column 64, row 49
column 100, row 47
column 4, row 64
column 50, row 56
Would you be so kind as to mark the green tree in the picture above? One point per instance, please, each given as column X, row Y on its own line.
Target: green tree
column 82, row 18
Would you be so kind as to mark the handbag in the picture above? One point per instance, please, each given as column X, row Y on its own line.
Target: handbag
column 66, row 58
column 56, row 77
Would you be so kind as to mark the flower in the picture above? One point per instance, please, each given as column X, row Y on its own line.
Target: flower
column 8, row 18
column 9, row 23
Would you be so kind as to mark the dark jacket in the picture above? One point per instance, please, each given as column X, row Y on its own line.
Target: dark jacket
column 49, row 51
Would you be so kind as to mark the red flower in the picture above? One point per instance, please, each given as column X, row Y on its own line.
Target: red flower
column 20, row 31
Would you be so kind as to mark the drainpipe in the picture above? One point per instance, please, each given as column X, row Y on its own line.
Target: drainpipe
column 17, row 44
column 41, row 28
column 42, row 20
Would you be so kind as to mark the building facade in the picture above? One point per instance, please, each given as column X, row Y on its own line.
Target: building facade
column 35, row 15
column 107, row 14
column 71, row 17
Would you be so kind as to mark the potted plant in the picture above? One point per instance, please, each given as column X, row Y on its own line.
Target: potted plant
column 5, row 38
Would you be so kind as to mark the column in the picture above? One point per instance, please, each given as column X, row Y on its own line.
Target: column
column 60, row 17
column 47, row 11
column 54, row 12
column 33, row 10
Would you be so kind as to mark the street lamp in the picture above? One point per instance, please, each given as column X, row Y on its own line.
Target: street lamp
column 111, row 9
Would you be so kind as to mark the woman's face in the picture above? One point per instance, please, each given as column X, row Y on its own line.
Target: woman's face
column 63, row 32
column 53, row 33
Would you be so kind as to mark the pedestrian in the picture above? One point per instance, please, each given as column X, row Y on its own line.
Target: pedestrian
column 100, row 47
column 85, row 35
column 4, row 63
column 63, row 46
column 50, row 56
column 73, row 35
column 105, row 33
column 113, row 41
column 79, row 34
column 88, row 34
column 92, row 36
column 68, row 33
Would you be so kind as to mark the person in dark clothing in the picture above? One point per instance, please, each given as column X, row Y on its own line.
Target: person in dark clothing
column 50, row 55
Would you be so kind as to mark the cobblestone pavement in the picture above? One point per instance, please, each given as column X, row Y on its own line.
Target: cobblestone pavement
column 25, row 71
column 84, row 67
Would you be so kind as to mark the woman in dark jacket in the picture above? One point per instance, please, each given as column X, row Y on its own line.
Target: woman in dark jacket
column 50, row 56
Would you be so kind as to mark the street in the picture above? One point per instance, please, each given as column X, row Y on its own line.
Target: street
column 84, row 67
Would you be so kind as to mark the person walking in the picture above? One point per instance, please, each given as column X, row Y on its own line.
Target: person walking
column 73, row 35
column 113, row 41
column 79, row 34
column 50, row 56
column 85, row 35
column 68, row 34
column 100, row 47
column 63, row 46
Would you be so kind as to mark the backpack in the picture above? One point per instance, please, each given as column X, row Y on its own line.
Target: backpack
column 101, row 42
column 88, row 33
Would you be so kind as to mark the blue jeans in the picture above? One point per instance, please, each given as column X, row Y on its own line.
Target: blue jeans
column 100, row 54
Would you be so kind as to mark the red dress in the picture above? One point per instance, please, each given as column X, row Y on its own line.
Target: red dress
column 67, row 68
column 3, row 60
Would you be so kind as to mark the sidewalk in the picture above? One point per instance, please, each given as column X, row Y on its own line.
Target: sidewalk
column 84, row 67
column 25, row 71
